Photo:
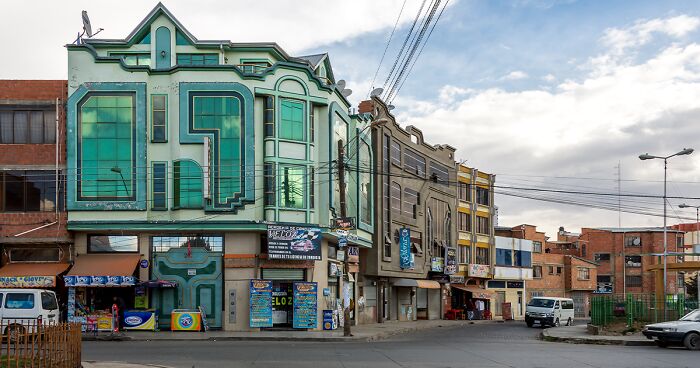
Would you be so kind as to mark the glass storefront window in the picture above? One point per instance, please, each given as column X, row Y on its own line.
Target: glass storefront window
column 165, row 243
column 113, row 243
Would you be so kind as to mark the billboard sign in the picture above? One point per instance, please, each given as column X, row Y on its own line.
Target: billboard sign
column 405, row 248
column 294, row 242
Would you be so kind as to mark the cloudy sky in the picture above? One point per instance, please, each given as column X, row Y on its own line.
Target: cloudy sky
column 550, row 95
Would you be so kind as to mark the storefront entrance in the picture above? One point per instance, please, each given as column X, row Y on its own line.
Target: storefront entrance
column 197, row 272
column 283, row 294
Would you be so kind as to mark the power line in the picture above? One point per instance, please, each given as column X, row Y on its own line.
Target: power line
column 405, row 42
column 388, row 42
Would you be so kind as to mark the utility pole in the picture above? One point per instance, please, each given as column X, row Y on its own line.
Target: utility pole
column 343, row 212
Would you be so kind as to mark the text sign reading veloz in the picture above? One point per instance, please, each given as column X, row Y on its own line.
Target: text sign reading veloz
column 293, row 242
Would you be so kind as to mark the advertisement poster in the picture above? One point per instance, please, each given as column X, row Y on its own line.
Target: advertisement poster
column 99, row 280
column 260, row 303
column 328, row 319
column 478, row 270
column 450, row 261
column 405, row 248
column 305, row 305
column 354, row 254
column 437, row 264
column 27, row 281
column 293, row 242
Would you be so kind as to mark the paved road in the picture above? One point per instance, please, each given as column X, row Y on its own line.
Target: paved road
column 493, row 345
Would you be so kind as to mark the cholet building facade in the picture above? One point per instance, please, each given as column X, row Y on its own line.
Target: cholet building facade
column 183, row 155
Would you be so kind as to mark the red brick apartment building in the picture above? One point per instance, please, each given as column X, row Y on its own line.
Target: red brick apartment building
column 624, row 256
column 33, row 234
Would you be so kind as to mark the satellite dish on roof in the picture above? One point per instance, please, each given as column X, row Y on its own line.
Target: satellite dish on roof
column 376, row 92
column 341, row 84
column 346, row 92
column 86, row 24
column 391, row 107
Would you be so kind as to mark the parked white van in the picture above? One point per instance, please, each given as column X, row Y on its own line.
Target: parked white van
column 21, row 309
column 550, row 311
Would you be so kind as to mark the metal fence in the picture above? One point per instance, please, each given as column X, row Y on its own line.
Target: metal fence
column 32, row 344
column 641, row 308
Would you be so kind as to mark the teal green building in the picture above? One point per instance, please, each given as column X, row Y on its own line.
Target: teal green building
column 181, row 152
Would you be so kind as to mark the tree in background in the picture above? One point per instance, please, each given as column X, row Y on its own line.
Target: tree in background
column 691, row 287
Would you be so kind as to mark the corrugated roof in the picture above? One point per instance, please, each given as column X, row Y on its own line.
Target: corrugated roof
column 105, row 265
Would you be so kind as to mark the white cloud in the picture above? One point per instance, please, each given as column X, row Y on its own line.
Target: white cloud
column 549, row 77
column 515, row 75
column 47, row 25
column 619, row 39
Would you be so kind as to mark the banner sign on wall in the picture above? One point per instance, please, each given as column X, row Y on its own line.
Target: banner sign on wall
column 27, row 281
column 354, row 254
column 292, row 242
column 260, row 303
column 437, row 264
column 97, row 281
column 450, row 261
column 405, row 248
column 478, row 270
column 305, row 305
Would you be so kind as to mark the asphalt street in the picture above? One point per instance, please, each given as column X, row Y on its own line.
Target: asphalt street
column 494, row 345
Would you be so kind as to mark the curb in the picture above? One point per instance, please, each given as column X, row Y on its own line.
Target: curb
column 545, row 336
column 358, row 338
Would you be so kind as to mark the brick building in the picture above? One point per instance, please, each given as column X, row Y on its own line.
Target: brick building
column 36, row 246
column 624, row 256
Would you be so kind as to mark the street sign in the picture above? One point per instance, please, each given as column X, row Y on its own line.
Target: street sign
column 342, row 242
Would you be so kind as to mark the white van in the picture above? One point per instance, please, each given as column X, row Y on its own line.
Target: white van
column 550, row 311
column 21, row 309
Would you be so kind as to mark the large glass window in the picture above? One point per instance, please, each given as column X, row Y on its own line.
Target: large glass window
column 220, row 113
column 21, row 126
column 504, row 257
column 340, row 134
column 292, row 123
column 465, row 192
column 482, row 225
column 523, row 258
column 292, row 186
column 465, row 222
column 159, row 104
column 197, row 59
column 269, row 186
column 113, row 243
column 395, row 152
column 411, row 200
column 365, row 178
column 106, row 147
column 35, row 255
column 165, row 243
column 395, row 197
column 439, row 173
column 187, row 184
column 160, row 180
column 465, row 254
column 29, row 191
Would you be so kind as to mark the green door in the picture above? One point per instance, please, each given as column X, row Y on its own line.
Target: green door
column 199, row 279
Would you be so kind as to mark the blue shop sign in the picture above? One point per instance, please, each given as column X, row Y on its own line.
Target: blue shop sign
column 260, row 303
column 305, row 305
column 405, row 248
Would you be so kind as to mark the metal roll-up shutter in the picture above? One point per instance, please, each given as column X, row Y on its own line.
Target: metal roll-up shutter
column 283, row 274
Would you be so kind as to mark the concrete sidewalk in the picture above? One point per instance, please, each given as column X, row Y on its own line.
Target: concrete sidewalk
column 579, row 335
column 118, row 365
column 371, row 332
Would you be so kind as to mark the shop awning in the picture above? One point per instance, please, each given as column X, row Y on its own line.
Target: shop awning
column 27, row 275
column 103, row 270
column 423, row 284
column 477, row 293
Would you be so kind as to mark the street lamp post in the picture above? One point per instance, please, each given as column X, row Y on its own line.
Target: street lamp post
column 646, row 156
column 695, row 242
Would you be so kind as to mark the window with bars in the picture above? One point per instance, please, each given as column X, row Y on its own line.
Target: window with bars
column 483, row 225
column 159, row 118
column 160, row 180
column 465, row 192
column 465, row 222
column 465, row 254
column 482, row 256
column 413, row 162
column 410, row 201
column 395, row 197
column 482, row 196
column 633, row 281
column 27, row 127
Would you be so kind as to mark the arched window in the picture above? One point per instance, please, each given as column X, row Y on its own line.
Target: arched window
column 187, row 184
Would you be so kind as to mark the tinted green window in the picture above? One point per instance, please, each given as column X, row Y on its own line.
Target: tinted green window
column 292, row 120
column 159, row 185
column 292, row 185
column 146, row 39
column 106, row 143
column 187, row 184
column 197, row 59
column 222, row 114
column 135, row 59
column 180, row 39
column 365, row 184
column 159, row 117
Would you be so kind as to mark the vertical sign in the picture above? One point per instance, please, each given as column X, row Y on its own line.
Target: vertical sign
column 450, row 261
column 405, row 247
column 305, row 310
column 260, row 303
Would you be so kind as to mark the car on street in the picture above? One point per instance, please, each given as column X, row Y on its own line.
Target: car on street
column 685, row 331
column 549, row 311
column 23, row 309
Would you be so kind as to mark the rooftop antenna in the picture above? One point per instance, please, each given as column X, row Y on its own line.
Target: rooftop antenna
column 87, row 29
